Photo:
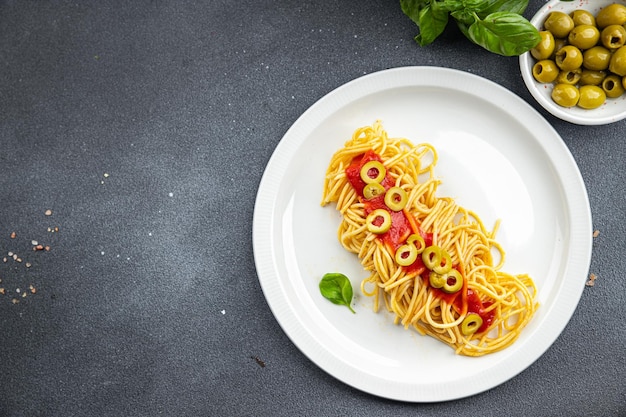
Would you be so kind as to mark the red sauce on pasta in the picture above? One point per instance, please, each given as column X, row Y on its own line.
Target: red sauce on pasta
column 401, row 228
column 475, row 305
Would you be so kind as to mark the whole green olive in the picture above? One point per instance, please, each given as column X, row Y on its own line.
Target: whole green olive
column 545, row 47
column 583, row 17
column 559, row 23
column 617, row 65
column 565, row 95
column 558, row 44
column 591, row 97
column 596, row 58
column 569, row 57
column 591, row 77
column 584, row 36
column 613, row 36
column 545, row 71
column 569, row 77
column 613, row 14
column 612, row 86
column 624, row 82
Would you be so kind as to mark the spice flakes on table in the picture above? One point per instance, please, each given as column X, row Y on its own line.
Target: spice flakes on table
column 592, row 280
column 22, row 289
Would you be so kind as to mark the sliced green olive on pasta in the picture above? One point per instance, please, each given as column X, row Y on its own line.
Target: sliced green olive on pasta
column 378, row 221
column 453, row 281
column 373, row 171
column 372, row 190
column 436, row 280
column 406, row 255
column 431, row 256
column 396, row 198
column 418, row 241
column 471, row 323
column 445, row 264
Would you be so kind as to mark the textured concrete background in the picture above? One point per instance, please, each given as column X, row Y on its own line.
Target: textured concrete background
column 145, row 128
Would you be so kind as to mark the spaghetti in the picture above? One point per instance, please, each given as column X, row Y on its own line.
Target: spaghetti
column 432, row 263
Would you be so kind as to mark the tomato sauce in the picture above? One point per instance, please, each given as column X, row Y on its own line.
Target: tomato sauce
column 476, row 306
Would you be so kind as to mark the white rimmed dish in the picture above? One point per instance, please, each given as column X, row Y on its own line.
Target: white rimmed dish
column 498, row 157
column 613, row 110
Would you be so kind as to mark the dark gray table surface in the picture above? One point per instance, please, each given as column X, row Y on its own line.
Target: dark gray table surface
column 145, row 128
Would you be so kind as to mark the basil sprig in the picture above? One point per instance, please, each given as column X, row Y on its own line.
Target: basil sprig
column 337, row 288
column 496, row 25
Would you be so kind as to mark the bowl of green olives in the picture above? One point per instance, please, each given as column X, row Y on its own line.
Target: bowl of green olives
column 577, row 72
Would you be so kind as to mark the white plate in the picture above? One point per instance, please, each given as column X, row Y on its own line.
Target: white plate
column 498, row 157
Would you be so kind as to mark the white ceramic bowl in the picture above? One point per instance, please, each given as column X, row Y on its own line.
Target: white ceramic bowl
column 613, row 110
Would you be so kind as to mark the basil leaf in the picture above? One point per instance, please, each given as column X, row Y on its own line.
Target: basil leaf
column 513, row 6
column 473, row 5
column 504, row 33
column 430, row 21
column 463, row 18
column 448, row 5
column 412, row 8
column 431, row 24
column 337, row 288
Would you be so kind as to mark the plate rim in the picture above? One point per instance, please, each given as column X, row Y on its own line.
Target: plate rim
column 408, row 76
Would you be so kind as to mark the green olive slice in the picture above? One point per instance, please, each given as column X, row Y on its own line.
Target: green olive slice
column 372, row 190
column 418, row 241
column 471, row 323
column 436, row 280
column 453, row 281
column 445, row 263
column 431, row 256
column 396, row 198
column 373, row 171
column 406, row 255
column 378, row 221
